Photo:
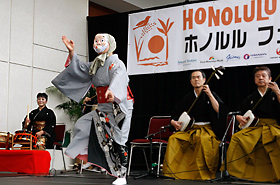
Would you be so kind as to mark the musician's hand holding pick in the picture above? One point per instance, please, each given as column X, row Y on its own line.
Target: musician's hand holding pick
column 176, row 124
column 242, row 120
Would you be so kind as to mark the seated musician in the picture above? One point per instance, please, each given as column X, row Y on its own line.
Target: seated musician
column 254, row 152
column 41, row 121
column 194, row 154
column 89, row 102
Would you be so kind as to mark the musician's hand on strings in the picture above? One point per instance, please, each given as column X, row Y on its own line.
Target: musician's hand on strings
column 242, row 120
column 176, row 124
column 274, row 87
column 69, row 45
column 213, row 100
column 207, row 90
column 109, row 96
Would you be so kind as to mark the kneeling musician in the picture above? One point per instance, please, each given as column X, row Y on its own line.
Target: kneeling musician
column 194, row 154
column 41, row 122
column 253, row 152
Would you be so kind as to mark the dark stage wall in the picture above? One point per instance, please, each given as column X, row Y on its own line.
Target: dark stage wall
column 157, row 94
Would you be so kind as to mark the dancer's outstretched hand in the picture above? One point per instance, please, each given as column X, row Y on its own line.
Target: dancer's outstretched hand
column 69, row 45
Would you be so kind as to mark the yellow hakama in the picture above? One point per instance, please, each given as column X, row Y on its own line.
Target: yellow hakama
column 192, row 155
column 254, row 152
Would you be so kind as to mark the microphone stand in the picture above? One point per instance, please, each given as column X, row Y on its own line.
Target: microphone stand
column 151, row 169
column 225, row 175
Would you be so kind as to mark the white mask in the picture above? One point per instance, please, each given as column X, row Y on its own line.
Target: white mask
column 100, row 48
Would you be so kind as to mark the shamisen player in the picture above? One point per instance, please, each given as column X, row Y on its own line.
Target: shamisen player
column 194, row 154
column 254, row 152
column 100, row 135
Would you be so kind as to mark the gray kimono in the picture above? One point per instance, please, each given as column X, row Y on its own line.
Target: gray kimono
column 101, row 134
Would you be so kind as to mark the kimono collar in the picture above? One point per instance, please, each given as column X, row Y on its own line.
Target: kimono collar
column 195, row 93
column 261, row 93
column 42, row 108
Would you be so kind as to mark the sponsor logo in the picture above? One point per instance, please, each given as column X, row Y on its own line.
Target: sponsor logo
column 232, row 58
column 211, row 60
column 255, row 55
column 278, row 51
column 186, row 62
column 258, row 55
column 246, row 56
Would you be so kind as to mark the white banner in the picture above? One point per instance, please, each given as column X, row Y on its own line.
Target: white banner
column 198, row 36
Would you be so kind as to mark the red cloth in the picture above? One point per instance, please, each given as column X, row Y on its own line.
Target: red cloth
column 25, row 161
column 100, row 91
column 129, row 94
column 67, row 63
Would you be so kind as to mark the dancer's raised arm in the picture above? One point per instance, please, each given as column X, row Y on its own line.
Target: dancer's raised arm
column 69, row 45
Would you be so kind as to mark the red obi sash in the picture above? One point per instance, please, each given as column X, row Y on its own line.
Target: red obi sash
column 100, row 91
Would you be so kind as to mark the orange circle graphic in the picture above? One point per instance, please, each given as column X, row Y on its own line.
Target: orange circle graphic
column 156, row 44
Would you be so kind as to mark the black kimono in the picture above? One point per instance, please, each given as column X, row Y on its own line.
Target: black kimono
column 194, row 154
column 46, row 115
column 253, row 152
column 269, row 107
column 203, row 111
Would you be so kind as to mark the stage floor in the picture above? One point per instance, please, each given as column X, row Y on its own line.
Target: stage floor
column 88, row 178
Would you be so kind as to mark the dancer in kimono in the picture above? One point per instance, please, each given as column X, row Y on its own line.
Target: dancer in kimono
column 194, row 154
column 100, row 135
column 41, row 121
column 254, row 152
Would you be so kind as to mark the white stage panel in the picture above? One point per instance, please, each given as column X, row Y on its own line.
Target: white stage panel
column 22, row 32
column 5, row 29
column 52, row 20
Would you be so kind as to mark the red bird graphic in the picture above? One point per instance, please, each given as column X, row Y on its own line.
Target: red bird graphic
column 142, row 23
column 277, row 51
